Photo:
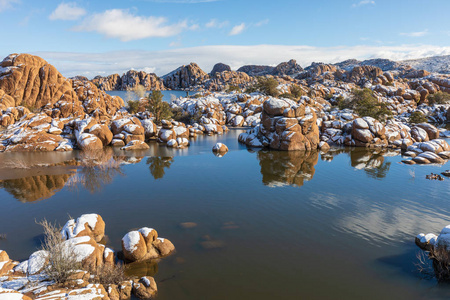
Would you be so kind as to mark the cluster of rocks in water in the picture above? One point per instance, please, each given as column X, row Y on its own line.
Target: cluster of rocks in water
column 71, row 113
column 83, row 238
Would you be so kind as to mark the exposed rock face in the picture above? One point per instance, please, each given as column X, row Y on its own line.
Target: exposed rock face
column 289, row 68
column 28, row 80
column 364, row 73
column 285, row 125
column 91, row 225
column 285, row 68
column 31, row 81
column 109, row 83
column 254, row 70
column 219, row 81
column 185, row 77
column 316, row 70
column 219, row 68
column 128, row 81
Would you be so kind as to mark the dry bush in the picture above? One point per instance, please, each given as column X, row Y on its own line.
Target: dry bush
column 62, row 262
column 440, row 264
column 17, row 164
column 109, row 274
column 100, row 159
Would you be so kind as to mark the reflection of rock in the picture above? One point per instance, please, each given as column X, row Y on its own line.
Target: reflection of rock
column 287, row 168
column 370, row 161
column 158, row 164
column 142, row 268
column 28, row 189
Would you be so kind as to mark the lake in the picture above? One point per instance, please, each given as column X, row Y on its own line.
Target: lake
column 167, row 95
column 270, row 224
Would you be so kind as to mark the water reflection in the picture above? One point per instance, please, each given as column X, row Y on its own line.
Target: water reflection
column 279, row 168
column 372, row 161
column 33, row 188
column 158, row 165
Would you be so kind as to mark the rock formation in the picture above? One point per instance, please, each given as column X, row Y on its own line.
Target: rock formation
column 29, row 279
column 128, row 81
column 285, row 125
column 219, row 68
column 185, row 77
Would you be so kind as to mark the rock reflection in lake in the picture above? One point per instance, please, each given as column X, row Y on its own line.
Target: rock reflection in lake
column 279, row 168
column 372, row 161
column 158, row 165
column 91, row 171
column 33, row 188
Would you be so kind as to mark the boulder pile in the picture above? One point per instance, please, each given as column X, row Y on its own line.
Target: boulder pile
column 81, row 240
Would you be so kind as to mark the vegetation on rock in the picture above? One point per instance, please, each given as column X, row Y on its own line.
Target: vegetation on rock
column 159, row 108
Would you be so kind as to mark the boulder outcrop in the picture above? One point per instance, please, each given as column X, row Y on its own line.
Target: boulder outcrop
column 144, row 244
column 185, row 77
column 285, row 125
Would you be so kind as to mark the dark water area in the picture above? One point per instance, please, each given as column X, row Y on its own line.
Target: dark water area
column 270, row 224
column 167, row 95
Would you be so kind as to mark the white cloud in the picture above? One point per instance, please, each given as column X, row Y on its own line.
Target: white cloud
column 415, row 34
column 121, row 24
column 238, row 29
column 262, row 22
column 364, row 2
column 67, row 11
column 92, row 64
column 214, row 23
column 7, row 4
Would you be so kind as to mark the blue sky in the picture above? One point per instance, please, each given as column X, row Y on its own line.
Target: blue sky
column 102, row 37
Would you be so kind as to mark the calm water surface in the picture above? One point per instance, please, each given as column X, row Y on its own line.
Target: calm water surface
column 270, row 225
column 167, row 95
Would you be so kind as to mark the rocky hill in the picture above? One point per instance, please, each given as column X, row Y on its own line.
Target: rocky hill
column 285, row 68
column 435, row 64
column 128, row 81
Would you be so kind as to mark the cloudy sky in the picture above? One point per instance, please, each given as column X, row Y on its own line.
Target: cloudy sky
column 102, row 37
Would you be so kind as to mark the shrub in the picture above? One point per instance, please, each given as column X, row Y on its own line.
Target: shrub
column 288, row 96
column 267, row 86
column 328, row 97
column 109, row 274
column 233, row 88
column 250, row 89
column 62, row 262
column 159, row 108
column 180, row 115
column 417, row 117
column 365, row 104
column 133, row 106
column 439, row 98
column 296, row 91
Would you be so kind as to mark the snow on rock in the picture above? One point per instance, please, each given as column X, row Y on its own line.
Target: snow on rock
column 37, row 262
column 144, row 244
column 86, row 225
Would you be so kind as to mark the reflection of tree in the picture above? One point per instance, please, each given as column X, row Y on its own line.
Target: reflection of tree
column 158, row 164
column 287, row 167
column 28, row 189
column 98, row 168
column 371, row 161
